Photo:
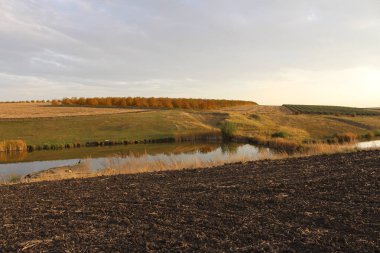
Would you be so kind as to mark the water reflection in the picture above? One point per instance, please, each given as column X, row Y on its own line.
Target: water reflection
column 137, row 157
column 228, row 148
column 12, row 157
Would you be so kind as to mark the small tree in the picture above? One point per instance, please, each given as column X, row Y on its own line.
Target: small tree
column 55, row 102
column 228, row 130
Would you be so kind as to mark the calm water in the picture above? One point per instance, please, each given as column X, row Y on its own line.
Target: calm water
column 98, row 158
column 369, row 144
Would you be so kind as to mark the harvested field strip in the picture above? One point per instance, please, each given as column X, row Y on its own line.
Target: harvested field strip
column 321, row 203
column 12, row 111
column 352, row 123
column 323, row 109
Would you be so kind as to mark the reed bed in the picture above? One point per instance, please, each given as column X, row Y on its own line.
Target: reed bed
column 13, row 145
column 147, row 163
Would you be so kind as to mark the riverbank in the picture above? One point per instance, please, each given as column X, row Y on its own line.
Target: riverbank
column 320, row 203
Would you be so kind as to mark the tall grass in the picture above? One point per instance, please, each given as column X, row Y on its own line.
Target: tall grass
column 346, row 137
column 12, row 145
column 132, row 164
column 280, row 144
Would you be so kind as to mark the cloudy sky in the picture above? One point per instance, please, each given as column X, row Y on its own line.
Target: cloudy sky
column 269, row 51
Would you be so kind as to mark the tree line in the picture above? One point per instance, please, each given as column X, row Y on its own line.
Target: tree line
column 183, row 103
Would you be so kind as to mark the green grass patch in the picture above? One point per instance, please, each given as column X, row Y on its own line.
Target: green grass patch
column 279, row 135
column 130, row 126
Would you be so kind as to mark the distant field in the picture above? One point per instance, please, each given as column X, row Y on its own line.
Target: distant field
column 45, row 110
column 320, row 109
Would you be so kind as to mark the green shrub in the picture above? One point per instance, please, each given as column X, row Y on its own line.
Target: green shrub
column 228, row 130
column 255, row 116
column 368, row 136
column 280, row 135
column 376, row 132
column 31, row 148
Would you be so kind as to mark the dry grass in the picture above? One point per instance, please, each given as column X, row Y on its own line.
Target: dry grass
column 12, row 145
column 321, row 148
column 45, row 110
column 266, row 120
column 66, row 172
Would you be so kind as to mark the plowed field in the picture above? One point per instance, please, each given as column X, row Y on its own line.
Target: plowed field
column 321, row 204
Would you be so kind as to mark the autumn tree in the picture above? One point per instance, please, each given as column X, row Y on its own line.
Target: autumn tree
column 184, row 103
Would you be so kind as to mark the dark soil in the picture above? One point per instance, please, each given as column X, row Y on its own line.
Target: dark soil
column 317, row 204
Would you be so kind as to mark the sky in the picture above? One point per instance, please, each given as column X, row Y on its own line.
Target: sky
column 268, row 51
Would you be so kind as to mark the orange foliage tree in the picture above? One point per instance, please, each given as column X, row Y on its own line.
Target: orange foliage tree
column 183, row 103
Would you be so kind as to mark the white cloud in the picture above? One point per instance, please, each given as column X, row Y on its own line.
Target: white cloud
column 229, row 49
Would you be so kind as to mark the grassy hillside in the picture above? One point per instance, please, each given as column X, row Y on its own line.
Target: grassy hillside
column 129, row 126
column 266, row 122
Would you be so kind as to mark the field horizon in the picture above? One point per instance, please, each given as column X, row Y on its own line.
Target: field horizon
column 70, row 124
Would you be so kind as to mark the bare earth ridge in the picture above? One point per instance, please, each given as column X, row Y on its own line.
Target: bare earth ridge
column 321, row 204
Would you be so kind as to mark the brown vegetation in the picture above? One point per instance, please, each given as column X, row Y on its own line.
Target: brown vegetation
column 346, row 137
column 12, row 145
column 183, row 103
